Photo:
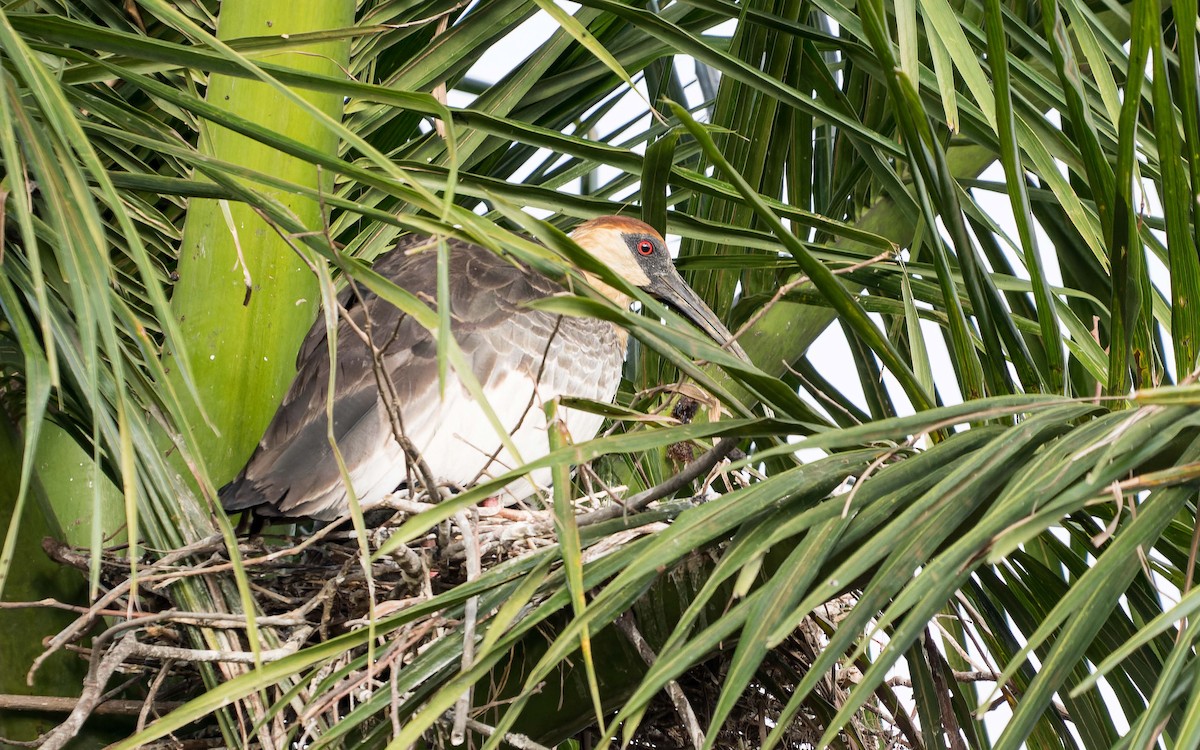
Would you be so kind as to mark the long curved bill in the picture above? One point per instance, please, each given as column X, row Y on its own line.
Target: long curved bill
column 673, row 290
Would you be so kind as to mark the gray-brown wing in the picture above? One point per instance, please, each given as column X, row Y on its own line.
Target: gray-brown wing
column 293, row 471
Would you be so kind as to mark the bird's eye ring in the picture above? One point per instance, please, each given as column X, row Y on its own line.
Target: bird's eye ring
column 645, row 247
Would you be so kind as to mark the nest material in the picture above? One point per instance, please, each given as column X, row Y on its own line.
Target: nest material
column 312, row 587
column 761, row 704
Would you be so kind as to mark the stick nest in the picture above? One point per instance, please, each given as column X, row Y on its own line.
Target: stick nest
column 310, row 587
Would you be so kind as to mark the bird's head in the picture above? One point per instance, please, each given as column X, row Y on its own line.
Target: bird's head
column 637, row 253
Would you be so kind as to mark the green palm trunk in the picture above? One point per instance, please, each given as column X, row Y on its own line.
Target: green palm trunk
column 246, row 295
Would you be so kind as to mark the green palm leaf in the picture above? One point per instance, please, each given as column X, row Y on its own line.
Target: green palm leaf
column 985, row 491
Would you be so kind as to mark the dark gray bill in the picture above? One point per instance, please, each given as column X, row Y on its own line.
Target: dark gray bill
column 672, row 289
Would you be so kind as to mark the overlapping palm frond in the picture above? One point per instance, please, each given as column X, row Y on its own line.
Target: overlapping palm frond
column 1009, row 537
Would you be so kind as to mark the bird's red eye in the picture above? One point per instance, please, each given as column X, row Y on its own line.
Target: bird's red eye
column 645, row 247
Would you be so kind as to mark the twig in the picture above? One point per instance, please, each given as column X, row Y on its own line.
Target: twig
column 1189, row 576
column 64, row 554
column 76, row 629
column 874, row 466
column 51, row 603
column 175, row 744
column 150, row 703
column 414, row 507
column 414, row 463
column 466, row 526
column 439, row 91
column 293, row 644
column 60, row 704
column 519, row 741
column 682, row 707
column 354, row 683
column 900, row 681
column 100, row 669
column 81, row 625
column 394, row 700
column 938, row 669
column 694, row 470
column 790, row 286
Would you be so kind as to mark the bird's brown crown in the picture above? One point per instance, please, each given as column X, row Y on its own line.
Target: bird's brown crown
column 606, row 238
column 622, row 224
